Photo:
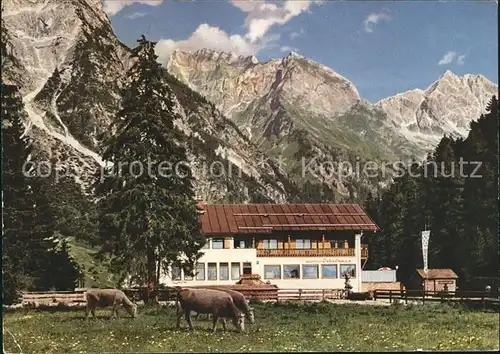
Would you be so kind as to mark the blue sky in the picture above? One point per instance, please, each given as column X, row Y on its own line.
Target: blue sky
column 383, row 47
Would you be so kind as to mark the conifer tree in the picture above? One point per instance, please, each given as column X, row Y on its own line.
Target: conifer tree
column 443, row 201
column 148, row 217
column 29, row 222
column 480, row 193
column 24, row 245
column 16, row 207
column 371, row 206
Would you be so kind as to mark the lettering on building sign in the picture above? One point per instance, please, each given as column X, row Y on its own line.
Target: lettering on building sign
column 332, row 260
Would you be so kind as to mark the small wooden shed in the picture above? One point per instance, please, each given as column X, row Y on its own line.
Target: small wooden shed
column 435, row 280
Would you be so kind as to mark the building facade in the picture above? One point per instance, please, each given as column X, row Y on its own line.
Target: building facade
column 434, row 280
column 288, row 245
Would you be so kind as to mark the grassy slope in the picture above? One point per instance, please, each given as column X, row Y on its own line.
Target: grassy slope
column 95, row 274
column 279, row 327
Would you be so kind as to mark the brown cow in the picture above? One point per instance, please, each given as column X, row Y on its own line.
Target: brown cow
column 240, row 302
column 217, row 303
column 108, row 298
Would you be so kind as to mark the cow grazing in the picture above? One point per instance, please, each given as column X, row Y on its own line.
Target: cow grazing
column 108, row 298
column 240, row 302
column 217, row 303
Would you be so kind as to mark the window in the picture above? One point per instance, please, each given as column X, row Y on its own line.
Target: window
column 176, row 273
column 272, row 272
column 187, row 276
column 329, row 271
column 247, row 268
column 212, row 271
column 242, row 244
column 235, row 271
column 310, row 272
column 223, row 271
column 217, row 243
column 270, row 244
column 349, row 269
column 334, row 244
column 200, row 271
column 303, row 243
column 291, row 271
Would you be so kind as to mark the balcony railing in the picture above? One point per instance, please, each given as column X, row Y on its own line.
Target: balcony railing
column 335, row 252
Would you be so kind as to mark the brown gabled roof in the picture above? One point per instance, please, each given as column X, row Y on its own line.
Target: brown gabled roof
column 266, row 218
column 437, row 274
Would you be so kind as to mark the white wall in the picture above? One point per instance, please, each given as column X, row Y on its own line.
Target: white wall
column 307, row 283
column 250, row 255
column 234, row 255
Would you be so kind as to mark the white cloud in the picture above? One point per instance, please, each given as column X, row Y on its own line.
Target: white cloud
column 447, row 58
column 261, row 16
column 135, row 15
column 214, row 38
column 461, row 59
column 112, row 7
column 294, row 35
column 373, row 19
column 246, row 6
column 288, row 49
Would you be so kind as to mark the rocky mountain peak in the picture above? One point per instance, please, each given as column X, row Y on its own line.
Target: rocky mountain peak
column 208, row 55
column 235, row 82
column 444, row 107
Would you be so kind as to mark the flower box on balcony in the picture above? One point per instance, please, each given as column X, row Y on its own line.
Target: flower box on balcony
column 250, row 276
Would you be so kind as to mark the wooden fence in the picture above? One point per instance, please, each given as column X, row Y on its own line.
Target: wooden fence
column 53, row 298
column 263, row 293
column 468, row 297
column 76, row 298
column 309, row 294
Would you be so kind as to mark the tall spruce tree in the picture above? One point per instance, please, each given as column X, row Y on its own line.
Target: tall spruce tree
column 148, row 218
column 444, row 200
column 30, row 260
column 372, row 205
column 17, row 210
column 24, row 243
column 480, row 194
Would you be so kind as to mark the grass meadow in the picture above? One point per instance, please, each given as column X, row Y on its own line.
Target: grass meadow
column 279, row 327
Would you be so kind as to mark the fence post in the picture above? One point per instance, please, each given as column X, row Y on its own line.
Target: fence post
column 300, row 294
column 323, row 294
column 406, row 297
column 390, row 296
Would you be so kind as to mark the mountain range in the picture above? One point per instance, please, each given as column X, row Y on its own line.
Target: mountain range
column 297, row 93
column 259, row 120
